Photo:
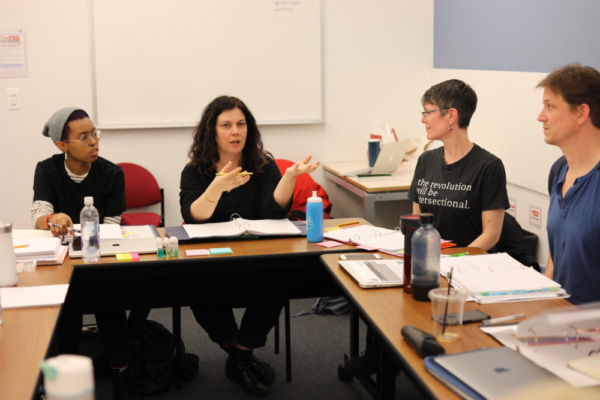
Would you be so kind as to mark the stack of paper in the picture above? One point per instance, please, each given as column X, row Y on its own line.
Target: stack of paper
column 495, row 278
column 42, row 250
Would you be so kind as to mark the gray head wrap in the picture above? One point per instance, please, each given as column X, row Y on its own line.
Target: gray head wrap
column 55, row 125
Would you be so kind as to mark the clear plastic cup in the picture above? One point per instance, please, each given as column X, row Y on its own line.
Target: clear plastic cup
column 447, row 310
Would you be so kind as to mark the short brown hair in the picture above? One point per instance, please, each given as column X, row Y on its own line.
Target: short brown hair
column 577, row 85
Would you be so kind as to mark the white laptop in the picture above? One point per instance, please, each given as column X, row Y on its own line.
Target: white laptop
column 493, row 373
column 375, row 273
column 389, row 159
column 111, row 247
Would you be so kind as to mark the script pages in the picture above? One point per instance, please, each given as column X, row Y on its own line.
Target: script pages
column 387, row 240
column 239, row 227
column 495, row 278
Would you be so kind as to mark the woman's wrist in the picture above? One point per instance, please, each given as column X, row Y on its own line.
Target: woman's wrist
column 48, row 220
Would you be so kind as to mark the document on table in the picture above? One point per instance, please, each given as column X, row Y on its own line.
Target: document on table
column 492, row 278
column 38, row 248
column 240, row 227
column 33, row 296
column 384, row 239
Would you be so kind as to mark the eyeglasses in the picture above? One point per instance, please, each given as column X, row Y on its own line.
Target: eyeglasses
column 425, row 113
column 87, row 137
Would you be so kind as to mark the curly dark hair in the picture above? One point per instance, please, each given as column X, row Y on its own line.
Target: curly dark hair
column 204, row 153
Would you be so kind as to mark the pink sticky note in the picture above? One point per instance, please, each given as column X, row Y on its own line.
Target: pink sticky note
column 330, row 243
column 197, row 252
column 135, row 257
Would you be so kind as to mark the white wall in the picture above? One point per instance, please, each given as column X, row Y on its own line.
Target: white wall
column 377, row 62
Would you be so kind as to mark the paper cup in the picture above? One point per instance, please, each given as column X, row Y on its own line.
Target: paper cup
column 447, row 310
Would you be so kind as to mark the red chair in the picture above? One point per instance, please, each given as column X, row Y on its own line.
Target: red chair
column 305, row 185
column 141, row 190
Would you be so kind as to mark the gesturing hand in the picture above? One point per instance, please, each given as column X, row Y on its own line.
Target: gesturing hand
column 227, row 179
column 302, row 166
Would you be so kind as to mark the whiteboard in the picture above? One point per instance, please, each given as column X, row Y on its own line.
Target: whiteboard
column 159, row 63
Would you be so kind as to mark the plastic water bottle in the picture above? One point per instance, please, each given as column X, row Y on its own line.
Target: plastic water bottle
column 425, row 274
column 314, row 218
column 90, row 231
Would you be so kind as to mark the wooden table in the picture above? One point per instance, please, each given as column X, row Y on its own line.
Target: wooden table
column 388, row 310
column 25, row 335
column 258, row 269
column 370, row 189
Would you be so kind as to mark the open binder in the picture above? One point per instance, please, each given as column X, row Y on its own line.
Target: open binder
column 241, row 227
column 388, row 240
column 560, row 341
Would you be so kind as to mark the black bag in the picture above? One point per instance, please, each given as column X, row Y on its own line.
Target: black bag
column 158, row 352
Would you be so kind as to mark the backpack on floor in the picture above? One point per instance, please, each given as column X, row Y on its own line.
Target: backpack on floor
column 158, row 352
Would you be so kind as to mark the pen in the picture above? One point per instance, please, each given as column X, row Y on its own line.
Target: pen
column 58, row 226
column 348, row 223
column 502, row 319
column 20, row 246
column 466, row 253
column 239, row 173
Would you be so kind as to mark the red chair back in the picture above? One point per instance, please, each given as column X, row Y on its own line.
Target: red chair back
column 305, row 185
column 141, row 190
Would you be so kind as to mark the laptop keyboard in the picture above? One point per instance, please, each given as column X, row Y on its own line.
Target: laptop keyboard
column 383, row 272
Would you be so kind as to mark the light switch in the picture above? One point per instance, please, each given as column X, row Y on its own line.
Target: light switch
column 13, row 98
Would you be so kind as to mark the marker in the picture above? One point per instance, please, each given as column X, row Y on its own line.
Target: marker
column 239, row 173
column 466, row 253
column 503, row 319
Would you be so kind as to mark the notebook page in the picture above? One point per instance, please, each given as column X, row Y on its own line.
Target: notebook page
column 36, row 248
column 272, row 227
column 494, row 273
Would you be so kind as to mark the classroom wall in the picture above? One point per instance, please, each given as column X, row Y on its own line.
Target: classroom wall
column 377, row 59
column 377, row 62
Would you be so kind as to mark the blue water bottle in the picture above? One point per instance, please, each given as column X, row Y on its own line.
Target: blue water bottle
column 314, row 218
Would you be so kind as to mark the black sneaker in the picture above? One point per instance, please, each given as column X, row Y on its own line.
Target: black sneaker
column 122, row 388
column 361, row 365
column 262, row 370
column 240, row 371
